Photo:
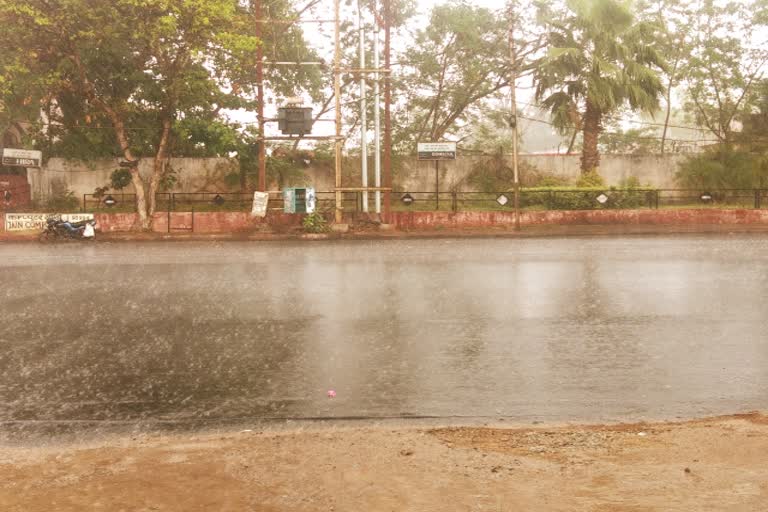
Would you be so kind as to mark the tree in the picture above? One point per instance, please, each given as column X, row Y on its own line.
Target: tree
column 458, row 60
column 725, row 67
column 135, row 68
column 675, row 20
column 599, row 59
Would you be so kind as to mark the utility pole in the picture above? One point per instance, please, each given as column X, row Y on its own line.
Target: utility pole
column 262, row 186
column 376, row 109
column 337, row 91
column 513, row 97
column 387, row 110
column 363, row 108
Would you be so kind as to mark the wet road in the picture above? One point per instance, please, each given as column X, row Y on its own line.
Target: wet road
column 156, row 334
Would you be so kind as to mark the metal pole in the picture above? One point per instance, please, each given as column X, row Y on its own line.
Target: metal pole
column 513, row 97
column 387, row 111
column 337, row 93
column 376, row 108
column 262, row 186
column 437, row 184
column 363, row 108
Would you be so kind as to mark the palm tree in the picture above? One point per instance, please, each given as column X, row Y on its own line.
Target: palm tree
column 599, row 60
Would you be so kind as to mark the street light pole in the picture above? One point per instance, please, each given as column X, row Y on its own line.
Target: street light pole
column 376, row 109
column 513, row 97
column 337, row 92
column 262, row 183
column 387, row 163
column 363, row 109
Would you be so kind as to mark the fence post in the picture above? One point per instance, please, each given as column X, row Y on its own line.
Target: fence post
column 454, row 201
column 83, row 203
column 657, row 199
column 757, row 199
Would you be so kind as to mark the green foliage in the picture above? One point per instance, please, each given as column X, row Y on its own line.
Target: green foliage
column 232, row 179
column 725, row 65
column 584, row 198
column 634, row 141
column 458, row 60
column 61, row 198
column 168, row 178
column 598, row 53
column 631, row 183
column 288, row 167
column 550, row 181
column 315, row 223
column 723, row 169
column 496, row 174
column 119, row 179
column 591, row 179
column 599, row 59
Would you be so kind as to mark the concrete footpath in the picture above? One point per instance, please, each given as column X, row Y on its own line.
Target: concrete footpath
column 448, row 233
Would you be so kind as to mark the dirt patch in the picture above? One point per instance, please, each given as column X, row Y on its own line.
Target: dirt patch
column 714, row 464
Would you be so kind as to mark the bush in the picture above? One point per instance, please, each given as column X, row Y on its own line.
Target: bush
column 590, row 179
column 630, row 183
column 495, row 174
column 551, row 181
column 723, row 169
column 61, row 198
column 119, row 179
column 315, row 223
column 577, row 198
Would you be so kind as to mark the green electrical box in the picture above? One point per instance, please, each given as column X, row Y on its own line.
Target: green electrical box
column 299, row 200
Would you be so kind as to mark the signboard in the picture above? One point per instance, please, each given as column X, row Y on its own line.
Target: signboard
column 260, row 201
column 36, row 221
column 22, row 157
column 437, row 150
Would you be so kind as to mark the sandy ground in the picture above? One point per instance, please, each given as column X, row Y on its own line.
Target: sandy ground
column 714, row 464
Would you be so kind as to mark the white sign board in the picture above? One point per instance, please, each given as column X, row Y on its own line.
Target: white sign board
column 36, row 221
column 437, row 150
column 260, row 202
column 22, row 157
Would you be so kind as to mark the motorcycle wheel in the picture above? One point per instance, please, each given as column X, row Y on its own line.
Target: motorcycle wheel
column 46, row 236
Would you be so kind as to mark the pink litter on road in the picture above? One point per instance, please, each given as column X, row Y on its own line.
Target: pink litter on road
column 331, row 393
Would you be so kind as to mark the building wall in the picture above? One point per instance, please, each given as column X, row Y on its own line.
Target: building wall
column 192, row 175
column 208, row 174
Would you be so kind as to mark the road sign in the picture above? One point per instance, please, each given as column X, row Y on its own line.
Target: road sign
column 22, row 157
column 437, row 150
column 502, row 200
column 407, row 199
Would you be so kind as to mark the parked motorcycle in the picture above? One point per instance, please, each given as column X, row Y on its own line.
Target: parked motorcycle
column 58, row 229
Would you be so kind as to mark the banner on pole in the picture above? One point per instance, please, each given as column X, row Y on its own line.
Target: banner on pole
column 260, row 202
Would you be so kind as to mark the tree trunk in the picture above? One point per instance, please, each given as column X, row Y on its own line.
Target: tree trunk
column 145, row 222
column 590, row 155
column 668, row 99
column 158, row 169
column 573, row 141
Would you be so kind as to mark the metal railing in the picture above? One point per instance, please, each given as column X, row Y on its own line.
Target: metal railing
column 580, row 199
column 208, row 201
column 453, row 201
